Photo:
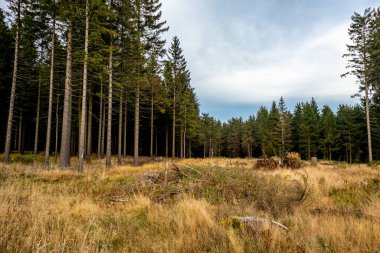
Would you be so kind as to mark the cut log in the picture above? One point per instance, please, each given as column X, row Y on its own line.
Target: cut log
column 257, row 224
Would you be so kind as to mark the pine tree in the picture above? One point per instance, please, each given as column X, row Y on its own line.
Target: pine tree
column 359, row 61
column 328, row 132
column 17, row 10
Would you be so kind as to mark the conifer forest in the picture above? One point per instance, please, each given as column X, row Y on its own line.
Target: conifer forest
column 99, row 108
column 97, row 78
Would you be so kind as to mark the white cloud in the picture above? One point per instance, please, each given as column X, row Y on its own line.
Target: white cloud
column 239, row 62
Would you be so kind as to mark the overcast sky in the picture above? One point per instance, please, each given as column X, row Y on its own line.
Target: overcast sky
column 247, row 53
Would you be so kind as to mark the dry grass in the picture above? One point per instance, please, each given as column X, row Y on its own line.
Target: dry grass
column 138, row 209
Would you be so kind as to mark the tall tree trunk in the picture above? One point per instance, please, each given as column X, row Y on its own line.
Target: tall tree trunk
column 13, row 92
column 66, row 119
column 173, row 130
column 181, row 141
column 20, row 129
column 89, row 126
column 151, row 121
column 50, row 109
column 125, row 126
column 137, row 126
column 103, row 127
column 167, row 139
column 120, row 128
column 35, row 150
column 184, row 134
column 109, row 123
column 100, row 122
column 56, row 133
column 368, row 122
column 84, row 98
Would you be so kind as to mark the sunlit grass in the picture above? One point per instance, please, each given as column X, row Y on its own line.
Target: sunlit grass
column 139, row 209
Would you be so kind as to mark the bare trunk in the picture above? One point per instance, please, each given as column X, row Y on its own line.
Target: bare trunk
column 184, row 135
column 35, row 150
column 181, row 142
column 100, row 122
column 368, row 123
column 103, row 127
column 56, row 132
column 13, row 93
column 120, row 128
column 19, row 145
column 66, row 119
column 84, row 98
column 167, row 139
column 151, row 121
column 109, row 123
column 173, row 130
column 50, row 109
column 125, row 127
column 137, row 126
column 89, row 127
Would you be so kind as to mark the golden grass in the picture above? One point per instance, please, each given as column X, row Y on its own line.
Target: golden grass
column 112, row 211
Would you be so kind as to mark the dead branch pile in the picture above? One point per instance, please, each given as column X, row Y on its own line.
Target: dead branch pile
column 270, row 164
column 292, row 160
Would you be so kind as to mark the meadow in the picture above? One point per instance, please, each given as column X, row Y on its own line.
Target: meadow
column 186, row 206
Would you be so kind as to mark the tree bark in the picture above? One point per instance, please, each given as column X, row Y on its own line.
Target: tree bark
column 13, row 92
column 35, row 150
column 89, row 126
column 137, row 126
column 50, row 109
column 167, row 139
column 151, row 121
column 120, row 128
column 66, row 119
column 109, row 123
column 173, row 127
column 100, row 122
column 103, row 127
column 125, row 126
column 368, row 122
column 56, row 133
column 84, row 98
column 20, row 129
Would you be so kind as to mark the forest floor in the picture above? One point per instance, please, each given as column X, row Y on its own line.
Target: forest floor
column 187, row 207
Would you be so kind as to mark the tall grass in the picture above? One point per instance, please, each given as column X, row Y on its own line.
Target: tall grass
column 330, row 208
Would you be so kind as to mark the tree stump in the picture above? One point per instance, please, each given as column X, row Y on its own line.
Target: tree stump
column 314, row 161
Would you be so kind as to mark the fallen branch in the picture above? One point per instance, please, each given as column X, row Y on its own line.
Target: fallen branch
column 256, row 223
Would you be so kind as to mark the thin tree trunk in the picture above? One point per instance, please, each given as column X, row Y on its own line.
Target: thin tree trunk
column 104, row 127
column 50, row 109
column 35, row 150
column 56, row 133
column 109, row 128
column 137, row 126
column 368, row 123
column 125, row 127
column 181, row 142
column 13, row 92
column 19, row 145
column 100, row 123
column 89, row 127
column 167, row 139
column 84, row 98
column 184, row 134
column 120, row 127
column 66, row 119
column 151, row 121
column 173, row 130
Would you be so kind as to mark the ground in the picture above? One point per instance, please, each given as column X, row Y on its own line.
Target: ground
column 186, row 207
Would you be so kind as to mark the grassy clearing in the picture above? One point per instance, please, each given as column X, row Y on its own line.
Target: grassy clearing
column 331, row 208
